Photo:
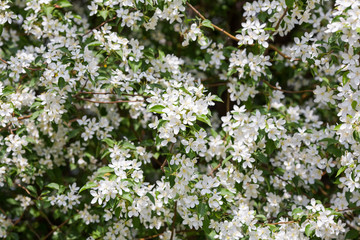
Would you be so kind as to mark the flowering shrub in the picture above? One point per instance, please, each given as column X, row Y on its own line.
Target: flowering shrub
column 176, row 119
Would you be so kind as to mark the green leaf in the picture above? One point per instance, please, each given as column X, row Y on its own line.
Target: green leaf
column 109, row 142
column 104, row 13
column 295, row 213
column 64, row 3
column 88, row 186
column 61, row 83
column 151, row 197
column 94, row 44
column 48, row 10
column 341, row 170
column 352, row 234
column 203, row 118
column 353, row 105
column 32, row 189
column 261, row 217
column 74, row 132
column 226, row 160
column 261, row 157
column 36, row 114
column 202, row 209
column 217, row 98
column 270, row 147
column 53, row 186
column 308, row 230
column 104, row 170
column 128, row 197
column 157, row 109
column 289, row 3
column 135, row 66
column 207, row 23
column 337, row 127
column 1, row 29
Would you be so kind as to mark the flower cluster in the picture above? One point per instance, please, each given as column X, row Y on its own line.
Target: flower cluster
column 179, row 119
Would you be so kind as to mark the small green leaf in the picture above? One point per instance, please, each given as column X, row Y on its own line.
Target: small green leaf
column 128, row 197
column 295, row 213
column 337, row 127
column 74, row 132
column 53, row 186
column 88, row 186
column 261, row 217
column 109, row 142
column 104, row 170
column 270, row 147
column 104, row 13
column 64, row 3
column 36, row 114
column 151, row 197
column 353, row 105
column 308, row 230
column 226, row 160
column 204, row 118
column 95, row 43
column 202, row 209
column 61, row 83
column 157, row 109
column 207, row 23
column 32, row 189
column 341, row 170
column 216, row 98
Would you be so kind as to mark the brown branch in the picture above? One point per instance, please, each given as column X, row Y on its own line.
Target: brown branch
column 2, row 210
column 233, row 37
column 280, row 19
column 4, row 61
column 33, row 69
column 216, row 84
column 52, row 231
column 278, row 223
column 27, row 191
column 111, row 93
column 151, row 237
column 214, row 169
column 173, row 223
column 103, row 23
column 271, row 46
column 32, row 230
column 110, row 102
column 214, row 26
column 286, row 91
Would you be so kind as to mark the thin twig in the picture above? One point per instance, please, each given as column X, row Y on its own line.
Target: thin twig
column 151, row 237
column 271, row 46
column 4, row 61
column 286, row 91
column 32, row 230
column 280, row 19
column 109, row 20
column 216, row 27
column 111, row 93
column 278, row 223
column 110, row 102
column 27, row 191
column 173, row 223
column 52, row 231
column 33, row 69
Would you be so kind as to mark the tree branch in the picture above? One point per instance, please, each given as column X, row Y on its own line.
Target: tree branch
column 103, row 23
column 286, row 91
